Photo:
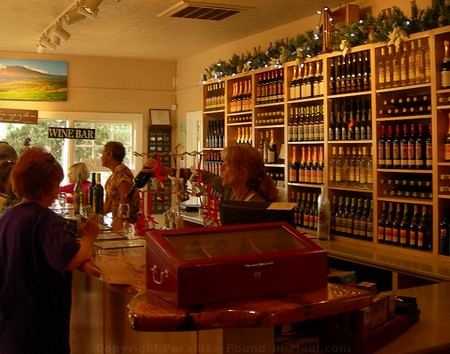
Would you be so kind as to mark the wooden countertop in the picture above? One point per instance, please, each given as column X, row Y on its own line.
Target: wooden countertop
column 124, row 270
column 431, row 333
column 414, row 263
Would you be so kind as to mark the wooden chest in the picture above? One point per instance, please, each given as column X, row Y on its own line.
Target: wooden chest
column 202, row 265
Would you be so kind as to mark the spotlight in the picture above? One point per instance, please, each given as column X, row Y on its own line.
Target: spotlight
column 54, row 39
column 60, row 32
column 89, row 8
column 40, row 48
column 73, row 16
column 45, row 42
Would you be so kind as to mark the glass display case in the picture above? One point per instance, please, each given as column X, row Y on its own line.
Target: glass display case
column 202, row 265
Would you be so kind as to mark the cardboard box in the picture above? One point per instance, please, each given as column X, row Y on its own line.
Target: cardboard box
column 342, row 277
column 210, row 264
column 370, row 317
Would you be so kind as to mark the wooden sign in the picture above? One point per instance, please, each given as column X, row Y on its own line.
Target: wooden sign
column 23, row 116
column 71, row 133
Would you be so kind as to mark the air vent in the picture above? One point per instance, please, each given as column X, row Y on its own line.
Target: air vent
column 202, row 11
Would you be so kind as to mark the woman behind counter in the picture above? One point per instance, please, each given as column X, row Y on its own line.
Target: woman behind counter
column 77, row 169
column 37, row 256
column 242, row 176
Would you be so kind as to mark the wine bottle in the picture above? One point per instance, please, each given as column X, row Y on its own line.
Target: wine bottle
column 78, row 195
column 444, row 234
column 420, row 63
column 389, row 67
column 404, row 226
column 429, row 150
column 98, row 192
column 412, row 64
column 332, row 78
column 266, row 148
column 445, row 68
column 91, row 190
column 381, row 148
column 447, row 142
column 294, row 166
column 414, row 226
column 323, row 223
column 389, row 224
column 382, row 69
column 273, row 150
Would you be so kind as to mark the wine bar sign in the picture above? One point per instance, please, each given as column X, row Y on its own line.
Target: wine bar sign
column 71, row 133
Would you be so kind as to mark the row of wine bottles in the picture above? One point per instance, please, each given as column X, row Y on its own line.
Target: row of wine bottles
column 306, row 210
column 306, row 123
column 215, row 96
column 408, row 188
column 350, row 120
column 269, row 118
column 270, row 86
column 309, row 168
column 307, row 81
column 241, row 96
column 352, row 168
column 215, row 133
column 407, row 148
column 350, row 73
column 352, row 217
column 404, row 65
column 404, row 106
column 268, row 147
column 212, row 161
column 94, row 198
column 244, row 135
column 404, row 225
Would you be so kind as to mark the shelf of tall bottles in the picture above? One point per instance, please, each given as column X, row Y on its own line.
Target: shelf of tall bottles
column 321, row 126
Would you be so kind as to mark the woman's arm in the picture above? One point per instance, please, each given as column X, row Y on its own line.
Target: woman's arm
column 89, row 232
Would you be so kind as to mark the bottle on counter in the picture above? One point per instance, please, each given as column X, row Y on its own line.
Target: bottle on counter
column 323, row 224
column 78, row 196
column 98, row 194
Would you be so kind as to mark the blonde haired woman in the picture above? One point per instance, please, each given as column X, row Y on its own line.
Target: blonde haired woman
column 79, row 168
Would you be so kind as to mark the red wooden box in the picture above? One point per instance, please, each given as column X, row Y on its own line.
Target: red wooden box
column 200, row 265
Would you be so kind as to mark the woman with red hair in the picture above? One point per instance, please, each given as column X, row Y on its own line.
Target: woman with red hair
column 37, row 255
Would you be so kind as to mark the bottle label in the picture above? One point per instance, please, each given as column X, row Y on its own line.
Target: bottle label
column 447, row 152
column 445, row 79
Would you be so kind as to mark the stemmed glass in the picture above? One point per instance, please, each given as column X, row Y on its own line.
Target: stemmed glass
column 123, row 213
column 62, row 200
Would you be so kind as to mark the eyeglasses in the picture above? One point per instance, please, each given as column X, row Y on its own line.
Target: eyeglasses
column 7, row 162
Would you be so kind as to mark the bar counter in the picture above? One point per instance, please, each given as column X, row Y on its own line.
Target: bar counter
column 113, row 312
column 123, row 270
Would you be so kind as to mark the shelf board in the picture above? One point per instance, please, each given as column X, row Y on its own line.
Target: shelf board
column 419, row 201
column 306, row 142
column 349, row 141
column 395, row 118
column 352, row 189
column 303, row 100
column 269, row 126
column 351, row 94
column 405, row 170
column 308, row 185
column 403, row 88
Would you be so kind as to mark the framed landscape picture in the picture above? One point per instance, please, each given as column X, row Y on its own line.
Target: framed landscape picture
column 33, row 80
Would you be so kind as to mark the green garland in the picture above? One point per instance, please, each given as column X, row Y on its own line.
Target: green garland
column 309, row 44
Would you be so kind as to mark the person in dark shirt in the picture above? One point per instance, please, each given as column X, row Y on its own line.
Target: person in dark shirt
column 37, row 255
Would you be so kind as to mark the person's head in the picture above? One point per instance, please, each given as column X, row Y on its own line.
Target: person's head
column 7, row 152
column 6, row 167
column 36, row 176
column 113, row 151
column 79, row 168
column 243, row 164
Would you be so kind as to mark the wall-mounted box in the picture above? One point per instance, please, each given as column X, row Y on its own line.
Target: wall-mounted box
column 202, row 265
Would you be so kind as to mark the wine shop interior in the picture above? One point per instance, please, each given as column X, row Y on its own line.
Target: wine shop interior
column 348, row 107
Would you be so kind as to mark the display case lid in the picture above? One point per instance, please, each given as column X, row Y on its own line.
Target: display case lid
column 236, row 240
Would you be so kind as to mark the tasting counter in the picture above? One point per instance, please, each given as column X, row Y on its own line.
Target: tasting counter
column 113, row 311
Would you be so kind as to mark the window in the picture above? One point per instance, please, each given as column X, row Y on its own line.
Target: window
column 108, row 127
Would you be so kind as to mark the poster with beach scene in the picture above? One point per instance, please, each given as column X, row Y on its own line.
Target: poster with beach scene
column 33, row 80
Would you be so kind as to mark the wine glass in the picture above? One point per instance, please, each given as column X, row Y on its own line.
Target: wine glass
column 62, row 200
column 123, row 213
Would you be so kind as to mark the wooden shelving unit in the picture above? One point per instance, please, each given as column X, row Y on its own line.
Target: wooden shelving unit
column 375, row 100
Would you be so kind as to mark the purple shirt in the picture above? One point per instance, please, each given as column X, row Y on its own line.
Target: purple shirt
column 35, row 288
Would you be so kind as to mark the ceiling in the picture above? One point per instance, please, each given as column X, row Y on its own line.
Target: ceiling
column 132, row 28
